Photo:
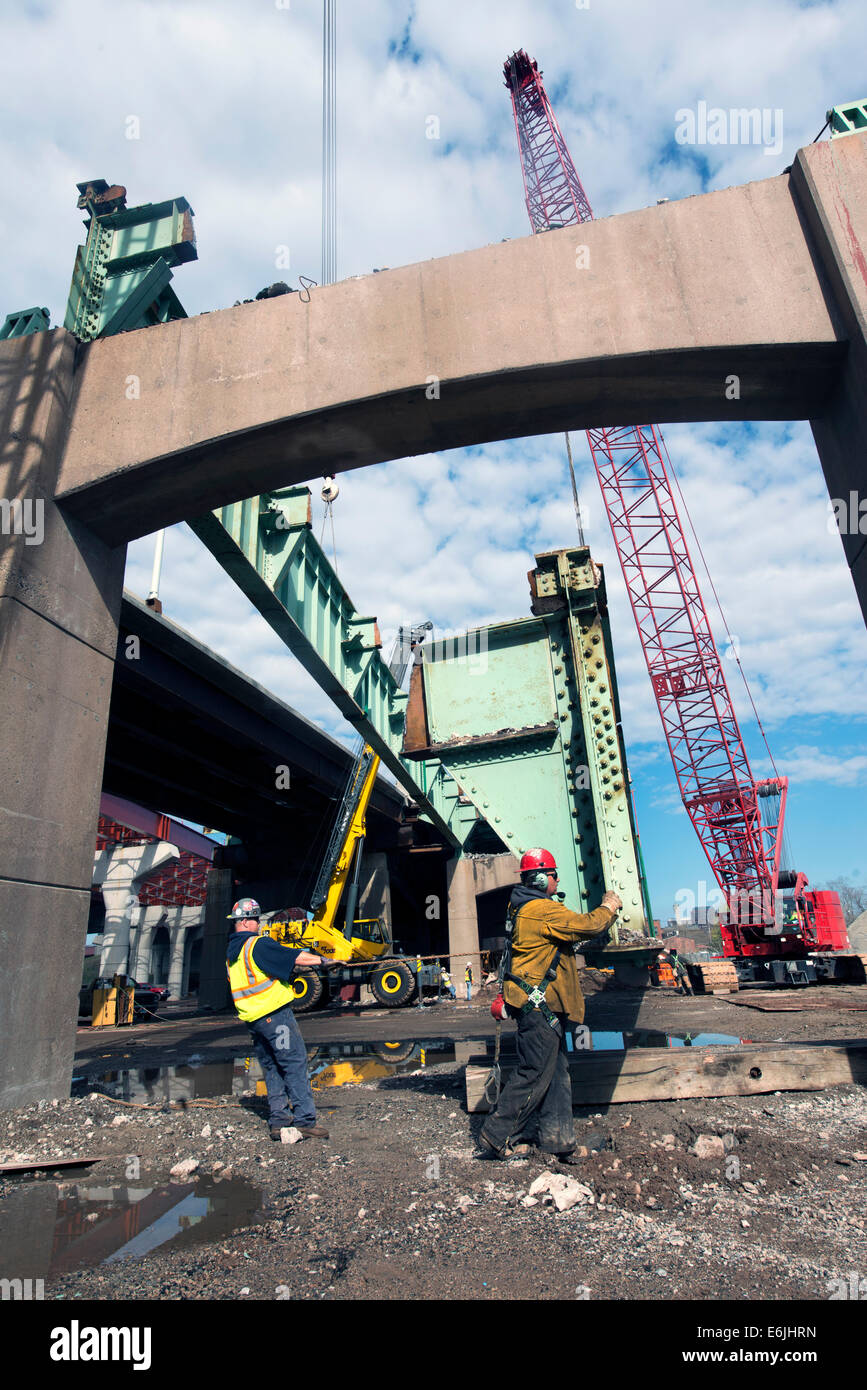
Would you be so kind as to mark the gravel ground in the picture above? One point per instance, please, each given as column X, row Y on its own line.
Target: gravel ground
column 396, row 1205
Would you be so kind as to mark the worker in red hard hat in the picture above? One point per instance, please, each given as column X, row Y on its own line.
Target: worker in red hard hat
column 541, row 991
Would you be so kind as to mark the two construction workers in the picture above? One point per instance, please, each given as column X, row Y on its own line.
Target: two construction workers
column 541, row 991
column 260, row 971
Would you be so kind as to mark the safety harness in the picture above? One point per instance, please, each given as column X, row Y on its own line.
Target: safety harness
column 535, row 1000
column 535, row 993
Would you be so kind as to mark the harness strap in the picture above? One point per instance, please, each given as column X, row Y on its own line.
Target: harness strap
column 536, row 993
column 494, row 1081
column 536, row 1000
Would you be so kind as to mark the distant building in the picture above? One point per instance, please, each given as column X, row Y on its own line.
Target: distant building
column 682, row 944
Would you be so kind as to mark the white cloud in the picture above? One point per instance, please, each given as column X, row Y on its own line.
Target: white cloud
column 804, row 763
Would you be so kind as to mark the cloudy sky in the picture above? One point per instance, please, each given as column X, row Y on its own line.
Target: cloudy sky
column 219, row 100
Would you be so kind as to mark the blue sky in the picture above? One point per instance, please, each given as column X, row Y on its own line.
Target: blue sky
column 227, row 97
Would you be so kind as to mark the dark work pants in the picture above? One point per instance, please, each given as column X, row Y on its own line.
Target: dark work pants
column 536, row 1101
column 283, row 1058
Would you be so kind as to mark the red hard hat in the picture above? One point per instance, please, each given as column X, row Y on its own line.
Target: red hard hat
column 537, row 859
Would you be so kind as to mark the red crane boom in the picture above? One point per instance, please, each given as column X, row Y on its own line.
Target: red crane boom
column 739, row 821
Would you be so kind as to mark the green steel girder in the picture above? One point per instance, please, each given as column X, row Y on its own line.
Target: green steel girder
column 526, row 716
column 25, row 321
column 848, row 117
column 122, row 272
column 266, row 545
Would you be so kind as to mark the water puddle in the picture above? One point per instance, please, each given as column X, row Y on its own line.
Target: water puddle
column 157, row 1085
column 50, row 1228
column 645, row 1037
column 350, row 1064
column 329, row 1064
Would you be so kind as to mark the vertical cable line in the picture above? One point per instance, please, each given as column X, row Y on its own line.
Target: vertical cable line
column 329, row 142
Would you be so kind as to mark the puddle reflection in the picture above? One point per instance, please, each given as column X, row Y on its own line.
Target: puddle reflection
column 50, row 1228
column 350, row 1064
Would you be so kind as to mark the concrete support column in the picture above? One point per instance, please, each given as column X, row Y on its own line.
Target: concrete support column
column 374, row 900
column 830, row 184
column 463, row 923
column 177, row 936
column 214, row 985
column 120, row 872
column 140, row 963
column 60, row 593
column 120, row 903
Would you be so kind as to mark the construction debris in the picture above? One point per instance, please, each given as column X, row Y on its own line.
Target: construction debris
column 185, row 1168
column 22, row 1164
column 562, row 1191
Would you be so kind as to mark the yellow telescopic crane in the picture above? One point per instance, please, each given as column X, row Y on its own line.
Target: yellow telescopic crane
column 359, row 950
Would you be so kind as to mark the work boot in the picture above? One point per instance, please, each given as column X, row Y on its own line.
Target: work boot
column 314, row 1131
column 487, row 1149
column 570, row 1158
column 514, row 1148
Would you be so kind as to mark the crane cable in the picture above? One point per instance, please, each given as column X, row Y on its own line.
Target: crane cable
column 575, row 501
column 329, row 142
column 329, row 512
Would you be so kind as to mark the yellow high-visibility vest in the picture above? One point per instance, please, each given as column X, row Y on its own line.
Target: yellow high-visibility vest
column 255, row 994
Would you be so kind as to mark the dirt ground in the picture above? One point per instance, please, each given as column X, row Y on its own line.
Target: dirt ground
column 396, row 1204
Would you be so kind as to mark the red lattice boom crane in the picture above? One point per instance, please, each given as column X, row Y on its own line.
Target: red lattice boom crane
column 775, row 929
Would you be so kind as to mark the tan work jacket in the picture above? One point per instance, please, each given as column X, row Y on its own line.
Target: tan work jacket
column 540, row 926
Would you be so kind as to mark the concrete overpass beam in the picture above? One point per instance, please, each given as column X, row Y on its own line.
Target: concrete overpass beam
column 669, row 303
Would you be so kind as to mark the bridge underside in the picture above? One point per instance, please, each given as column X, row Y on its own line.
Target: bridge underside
column 192, row 735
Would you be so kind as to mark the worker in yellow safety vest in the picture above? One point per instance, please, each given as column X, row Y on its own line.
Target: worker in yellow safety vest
column 260, row 971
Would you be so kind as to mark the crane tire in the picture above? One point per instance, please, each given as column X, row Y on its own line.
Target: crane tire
column 308, row 989
column 394, row 1052
column 393, row 984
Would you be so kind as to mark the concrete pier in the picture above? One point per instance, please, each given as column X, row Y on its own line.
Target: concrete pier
column 60, row 592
